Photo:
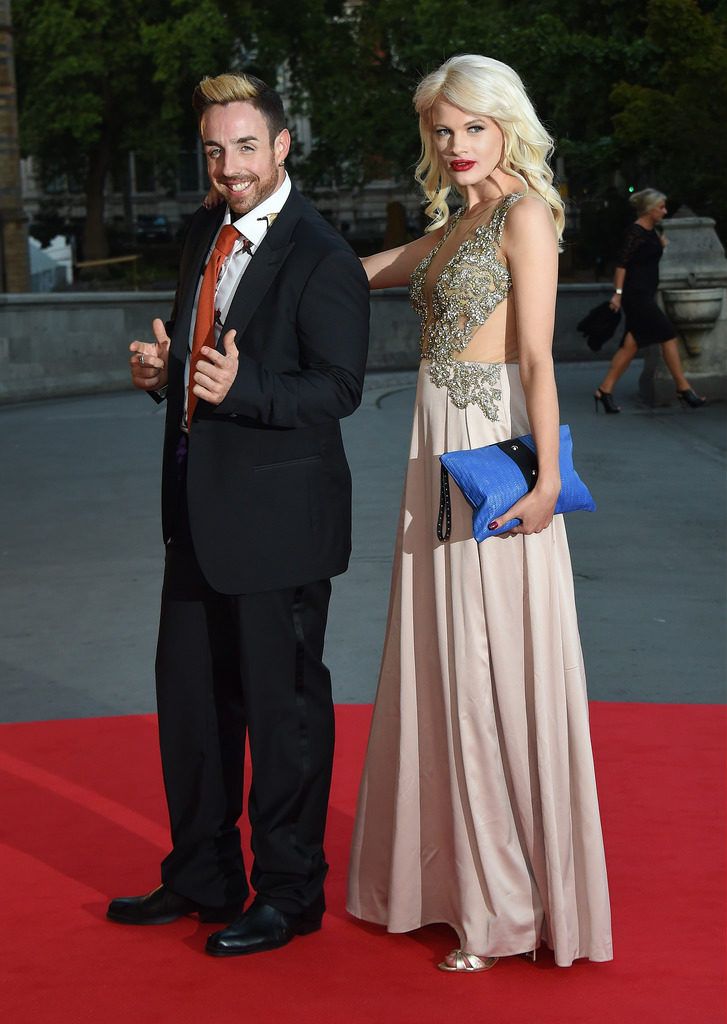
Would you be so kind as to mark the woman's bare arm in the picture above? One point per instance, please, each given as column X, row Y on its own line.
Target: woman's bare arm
column 394, row 267
column 531, row 248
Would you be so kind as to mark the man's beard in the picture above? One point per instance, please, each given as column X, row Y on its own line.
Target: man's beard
column 258, row 191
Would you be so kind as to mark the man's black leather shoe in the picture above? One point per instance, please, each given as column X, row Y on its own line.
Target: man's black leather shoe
column 262, row 927
column 162, row 906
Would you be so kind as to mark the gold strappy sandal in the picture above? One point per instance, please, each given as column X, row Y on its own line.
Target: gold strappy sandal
column 467, row 963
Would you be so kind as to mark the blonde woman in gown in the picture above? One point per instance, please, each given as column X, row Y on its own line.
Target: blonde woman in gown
column 478, row 804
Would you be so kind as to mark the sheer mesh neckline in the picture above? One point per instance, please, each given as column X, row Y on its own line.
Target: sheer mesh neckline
column 465, row 216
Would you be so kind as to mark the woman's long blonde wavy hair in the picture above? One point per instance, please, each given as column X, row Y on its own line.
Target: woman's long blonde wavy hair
column 487, row 87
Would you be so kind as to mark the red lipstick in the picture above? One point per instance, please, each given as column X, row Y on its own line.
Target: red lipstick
column 462, row 165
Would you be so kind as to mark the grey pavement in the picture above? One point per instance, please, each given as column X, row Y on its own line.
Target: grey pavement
column 81, row 553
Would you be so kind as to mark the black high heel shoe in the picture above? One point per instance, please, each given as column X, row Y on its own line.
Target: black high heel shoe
column 690, row 397
column 606, row 400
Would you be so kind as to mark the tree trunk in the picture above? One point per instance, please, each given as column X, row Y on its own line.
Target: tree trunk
column 95, row 242
column 14, row 257
column 128, row 199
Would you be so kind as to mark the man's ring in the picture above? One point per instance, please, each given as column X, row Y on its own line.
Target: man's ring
column 141, row 359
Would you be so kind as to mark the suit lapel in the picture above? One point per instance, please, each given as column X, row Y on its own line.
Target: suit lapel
column 264, row 267
column 193, row 271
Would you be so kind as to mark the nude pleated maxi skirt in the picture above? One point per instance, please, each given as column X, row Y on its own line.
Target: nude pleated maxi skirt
column 478, row 804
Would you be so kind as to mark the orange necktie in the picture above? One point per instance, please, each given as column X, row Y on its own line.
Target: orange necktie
column 204, row 325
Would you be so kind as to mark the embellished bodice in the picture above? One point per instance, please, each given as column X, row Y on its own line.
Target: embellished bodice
column 460, row 300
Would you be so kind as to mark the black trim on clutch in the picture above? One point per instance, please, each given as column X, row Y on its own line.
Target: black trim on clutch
column 524, row 458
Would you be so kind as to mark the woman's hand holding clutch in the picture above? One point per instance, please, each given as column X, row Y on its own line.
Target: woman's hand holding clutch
column 535, row 510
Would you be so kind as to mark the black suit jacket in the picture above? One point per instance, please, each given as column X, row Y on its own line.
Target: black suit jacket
column 268, row 485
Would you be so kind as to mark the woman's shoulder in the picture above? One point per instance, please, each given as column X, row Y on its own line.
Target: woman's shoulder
column 525, row 205
column 636, row 230
column 527, row 213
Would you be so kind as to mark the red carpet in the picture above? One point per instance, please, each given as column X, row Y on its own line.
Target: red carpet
column 83, row 819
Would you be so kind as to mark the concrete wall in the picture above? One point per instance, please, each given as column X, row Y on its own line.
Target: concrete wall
column 76, row 343
column 71, row 344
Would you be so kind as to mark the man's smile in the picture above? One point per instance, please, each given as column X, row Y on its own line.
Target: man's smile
column 237, row 186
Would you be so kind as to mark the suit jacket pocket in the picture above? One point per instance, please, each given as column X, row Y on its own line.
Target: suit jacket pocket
column 286, row 499
column 287, row 463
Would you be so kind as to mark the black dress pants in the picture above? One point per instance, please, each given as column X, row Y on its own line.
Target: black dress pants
column 228, row 666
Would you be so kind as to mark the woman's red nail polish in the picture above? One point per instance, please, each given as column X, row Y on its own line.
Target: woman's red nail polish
column 493, row 525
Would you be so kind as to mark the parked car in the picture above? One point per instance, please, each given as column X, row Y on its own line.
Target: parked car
column 153, row 228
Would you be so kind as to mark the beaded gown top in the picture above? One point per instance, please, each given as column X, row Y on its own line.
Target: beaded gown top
column 461, row 299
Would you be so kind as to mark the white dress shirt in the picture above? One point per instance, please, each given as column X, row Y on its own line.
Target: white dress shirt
column 254, row 226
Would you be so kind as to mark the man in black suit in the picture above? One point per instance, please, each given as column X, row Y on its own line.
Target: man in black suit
column 264, row 354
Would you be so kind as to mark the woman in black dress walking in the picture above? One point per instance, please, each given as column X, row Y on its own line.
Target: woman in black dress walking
column 635, row 281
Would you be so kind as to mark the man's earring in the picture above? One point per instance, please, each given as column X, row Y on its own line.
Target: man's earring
column 282, row 163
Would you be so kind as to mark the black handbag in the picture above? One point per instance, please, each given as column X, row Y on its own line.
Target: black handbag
column 599, row 325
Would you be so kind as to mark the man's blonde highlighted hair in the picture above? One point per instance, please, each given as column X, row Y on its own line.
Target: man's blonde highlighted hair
column 241, row 88
column 485, row 86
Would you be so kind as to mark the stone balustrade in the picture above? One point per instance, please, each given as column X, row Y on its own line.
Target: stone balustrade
column 70, row 343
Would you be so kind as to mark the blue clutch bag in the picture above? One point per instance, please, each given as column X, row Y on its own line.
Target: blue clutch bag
column 493, row 478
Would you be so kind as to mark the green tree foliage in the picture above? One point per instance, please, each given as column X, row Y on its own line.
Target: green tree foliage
column 99, row 78
column 672, row 127
column 631, row 92
column 355, row 72
column 622, row 86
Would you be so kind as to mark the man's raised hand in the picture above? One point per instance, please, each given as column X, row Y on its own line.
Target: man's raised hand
column 150, row 359
column 215, row 372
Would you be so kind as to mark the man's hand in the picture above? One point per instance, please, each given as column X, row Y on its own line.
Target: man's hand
column 150, row 359
column 215, row 372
